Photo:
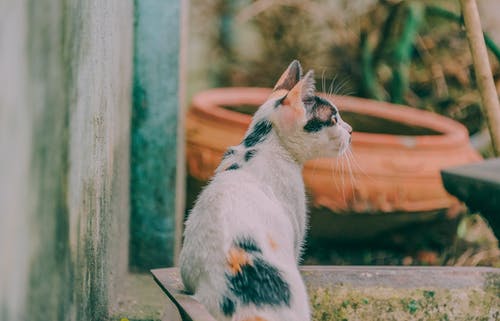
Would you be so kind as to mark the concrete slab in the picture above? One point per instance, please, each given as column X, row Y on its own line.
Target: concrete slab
column 141, row 299
column 377, row 293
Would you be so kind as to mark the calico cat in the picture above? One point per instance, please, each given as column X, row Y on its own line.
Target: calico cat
column 243, row 238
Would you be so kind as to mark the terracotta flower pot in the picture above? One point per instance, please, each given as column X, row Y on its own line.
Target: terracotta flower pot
column 397, row 153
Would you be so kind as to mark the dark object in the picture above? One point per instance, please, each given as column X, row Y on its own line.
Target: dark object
column 233, row 167
column 227, row 306
column 249, row 154
column 260, row 284
column 478, row 186
column 258, row 133
column 248, row 244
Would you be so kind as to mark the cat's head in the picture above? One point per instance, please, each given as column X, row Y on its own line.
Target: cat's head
column 308, row 126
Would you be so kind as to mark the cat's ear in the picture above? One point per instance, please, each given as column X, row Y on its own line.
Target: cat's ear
column 290, row 77
column 301, row 92
column 291, row 111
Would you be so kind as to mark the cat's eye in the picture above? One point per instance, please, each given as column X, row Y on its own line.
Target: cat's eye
column 334, row 119
column 308, row 103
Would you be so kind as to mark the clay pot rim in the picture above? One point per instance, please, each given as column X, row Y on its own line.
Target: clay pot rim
column 209, row 103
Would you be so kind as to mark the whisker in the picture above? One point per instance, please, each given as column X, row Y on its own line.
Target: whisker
column 351, row 175
column 355, row 180
column 341, row 86
column 350, row 156
column 337, row 175
column 335, row 170
column 356, row 164
column 323, row 81
column 344, row 84
column 343, row 179
column 347, row 93
column 330, row 88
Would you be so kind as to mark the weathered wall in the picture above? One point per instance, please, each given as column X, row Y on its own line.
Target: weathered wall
column 154, row 134
column 65, row 70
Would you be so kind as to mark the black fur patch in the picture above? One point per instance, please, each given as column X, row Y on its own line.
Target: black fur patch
column 321, row 112
column 233, row 167
column 258, row 134
column 227, row 306
column 279, row 102
column 248, row 244
column 321, row 101
column 314, row 125
column 250, row 154
column 260, row 283
column 228, row 153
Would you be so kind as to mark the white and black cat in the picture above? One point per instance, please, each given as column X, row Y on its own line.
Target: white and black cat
column 244, row 236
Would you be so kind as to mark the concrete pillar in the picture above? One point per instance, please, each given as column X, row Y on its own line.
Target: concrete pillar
column 65, row 70
column 154, row 133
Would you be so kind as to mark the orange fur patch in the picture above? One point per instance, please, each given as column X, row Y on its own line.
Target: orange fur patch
column 272, row 243
column 294, row 100
column 324, row 113
column 256, row 318
column 236, row 258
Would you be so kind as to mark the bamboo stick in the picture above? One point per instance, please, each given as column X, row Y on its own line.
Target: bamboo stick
column 180, row 175
column 482, row 68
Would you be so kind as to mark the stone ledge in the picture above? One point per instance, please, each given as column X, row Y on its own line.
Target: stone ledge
column 141, row 299
column 378, row 293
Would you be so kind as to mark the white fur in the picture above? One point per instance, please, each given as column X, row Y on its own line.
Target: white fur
column 265, row 197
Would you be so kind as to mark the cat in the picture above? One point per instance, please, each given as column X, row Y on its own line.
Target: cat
column 243, row 238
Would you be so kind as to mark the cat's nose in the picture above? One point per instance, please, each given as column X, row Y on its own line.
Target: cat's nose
column 347, row 127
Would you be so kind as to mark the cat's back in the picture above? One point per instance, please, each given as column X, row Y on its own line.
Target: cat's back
column 233, row 198
column 234, row 203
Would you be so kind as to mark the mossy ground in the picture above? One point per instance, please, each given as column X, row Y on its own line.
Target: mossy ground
column 343, row 303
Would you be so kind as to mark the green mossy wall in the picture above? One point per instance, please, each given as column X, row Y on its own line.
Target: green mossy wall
column 154, row 133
